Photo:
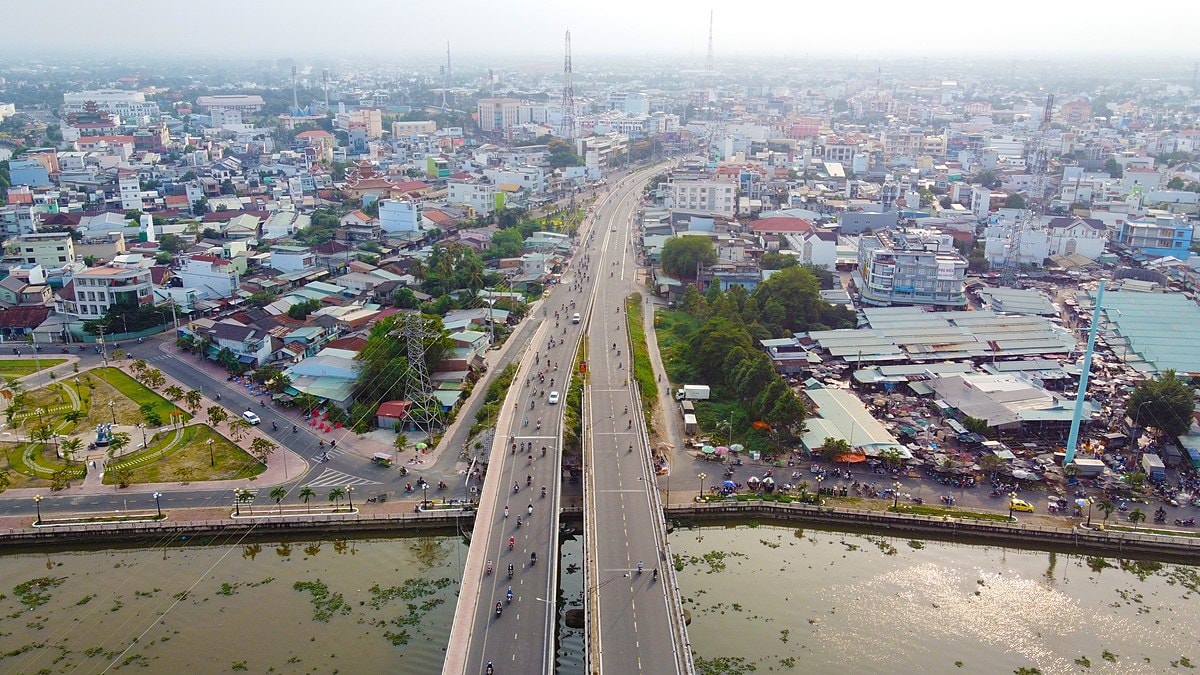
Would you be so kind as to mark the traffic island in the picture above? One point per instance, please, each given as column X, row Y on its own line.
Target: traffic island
column 101, row 520
column 289, row 512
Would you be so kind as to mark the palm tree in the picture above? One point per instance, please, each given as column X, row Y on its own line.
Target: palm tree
column 70, row 447
column 1136, row 516
column 278, row 494
column 246, row 497
column 307, row 493
column 74, row 417
column 1106, row 507
column 173, row 392
column 238, row 429
column 335, row 496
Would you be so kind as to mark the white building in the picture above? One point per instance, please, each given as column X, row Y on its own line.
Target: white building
column 1044, row 239
column 911, row 267
column 211, row 277
column 981, row 202
column 399, row 215
column 130, row 190
column 706, row 196
column 125, row 282
column 292, row 258
column 816, row 247
column 118, row 102
column 497, row 114
column 480, row 196
column 531, row 178
column 403, row 129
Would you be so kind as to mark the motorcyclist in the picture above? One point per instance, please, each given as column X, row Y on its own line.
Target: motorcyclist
column 510, row 570
column 640, row 567
column 518, row 521
column 509, row 595
column 543, row 490
column 506, row 510
column 489, row 567
column 512, row 541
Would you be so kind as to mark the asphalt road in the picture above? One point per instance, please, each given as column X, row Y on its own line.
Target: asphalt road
column 630, row 612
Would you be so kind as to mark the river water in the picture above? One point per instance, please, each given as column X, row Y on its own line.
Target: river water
column 762, row 598
column 300, row 606
column 784, row 599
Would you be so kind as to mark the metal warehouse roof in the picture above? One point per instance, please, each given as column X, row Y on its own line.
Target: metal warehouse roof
column 1160, row 329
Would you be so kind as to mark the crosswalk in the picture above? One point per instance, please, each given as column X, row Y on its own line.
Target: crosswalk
column 334, row 478
column 332, row 452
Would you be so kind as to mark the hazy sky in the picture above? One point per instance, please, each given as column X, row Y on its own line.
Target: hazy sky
column 482, row 28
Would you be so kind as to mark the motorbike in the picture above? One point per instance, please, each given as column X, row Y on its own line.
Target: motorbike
column 543, row 492
column 442, row 485
column 489, row 567
column 1189, row 522
column 408, row 488
column 532, row 559
column 510, row 571
column 509, row 595
column 499, row 608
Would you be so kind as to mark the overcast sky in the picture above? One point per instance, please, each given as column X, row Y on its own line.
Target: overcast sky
column 496, row 29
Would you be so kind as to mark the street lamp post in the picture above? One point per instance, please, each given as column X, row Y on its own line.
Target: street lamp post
column 1011, row 497
column 349, row 499
column 701, row 476
column 158, row 504
column 142, row 426
column 896, row 495
column 37, row 502
column 425, row 492
column 1090, row 501
column 112, row 409
column 212, row 460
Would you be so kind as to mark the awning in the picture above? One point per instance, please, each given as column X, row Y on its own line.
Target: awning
column 246, row 359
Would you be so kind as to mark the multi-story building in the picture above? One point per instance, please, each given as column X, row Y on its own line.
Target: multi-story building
column 51, row 250
column 130, row 191
column 292, row 258
column 707, row 196
column 126, row 282
column 18, row 219
column 413, row 128
column 498, row 114
column 479, row 195
column 399, row 215
column 242, row 102
column 210, row 276
column 911, row 267
column 1158, row 235
column 368, row 120
column 250, row 345
column 114, row 101
column 7, row 110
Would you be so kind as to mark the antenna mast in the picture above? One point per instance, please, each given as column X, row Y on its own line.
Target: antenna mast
column 567, row 127
column 295, row 99
column 446, row 82
column 1037, row 162
column 709, row 66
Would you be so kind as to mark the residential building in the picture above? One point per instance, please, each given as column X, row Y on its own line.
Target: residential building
column 130, row 191
column 51, row 250
column 114, row 101
column 125, row 282
column 210, row 276
column 911, row 267
column 1158, row 235
column 705, row 196
column 1044, row 239
column 18, row 219
column 28, row 172
column 7, row 110
column 498, row 114
column 479, row 195
column 292, row 258
column 399, row 215
column 26, row 289
column 251, row 346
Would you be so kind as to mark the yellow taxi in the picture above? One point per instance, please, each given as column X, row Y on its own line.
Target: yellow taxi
column 1020, row 505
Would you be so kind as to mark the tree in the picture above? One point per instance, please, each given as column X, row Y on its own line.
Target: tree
column 302, row 309
column 238, row 429
column 69, row 447
column 172, row 243
column 681, row 256
column 216, row 415
column 1014, row 200
column 1165, row 403
column 1113, row 168
column 1176, row 183
column 117, row 442
column 987, row 179
column 778, row 261
column 192, row 400
column 138, row 368
column 74, row 417
column 335, row 496
column 1106, row 507
column 832, row 448
column 173, row 392
column 278, row 494
column 1136, row 516
column 154, row 378
column 5, row 480
column 307, row 493
column 261, row 449
column 200, row 206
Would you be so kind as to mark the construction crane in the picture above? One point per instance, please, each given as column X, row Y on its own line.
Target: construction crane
column 1037, row 162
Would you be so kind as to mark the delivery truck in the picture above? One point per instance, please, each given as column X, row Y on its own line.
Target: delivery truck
column 692, row 392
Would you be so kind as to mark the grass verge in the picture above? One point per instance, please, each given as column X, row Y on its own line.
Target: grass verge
column 139, row 394
column 572, row 423
column 189, row 461
column 643, row 370
column 26, row 366
column 938, row 511
column 489, row 412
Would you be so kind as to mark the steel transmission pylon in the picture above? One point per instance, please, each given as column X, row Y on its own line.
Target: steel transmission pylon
column 567, row 126
column 418, row 335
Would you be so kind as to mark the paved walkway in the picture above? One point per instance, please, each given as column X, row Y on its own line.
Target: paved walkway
column 667, row 438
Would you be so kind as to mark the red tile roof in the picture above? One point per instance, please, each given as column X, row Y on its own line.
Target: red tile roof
column 781, row 225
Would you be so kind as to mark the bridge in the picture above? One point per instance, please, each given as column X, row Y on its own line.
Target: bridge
column 634, row 621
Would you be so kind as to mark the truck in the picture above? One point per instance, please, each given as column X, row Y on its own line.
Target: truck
column 692, row 392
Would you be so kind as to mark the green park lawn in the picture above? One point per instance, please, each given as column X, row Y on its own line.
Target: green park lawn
column 188, row 460
column 26, row 366
column 138, row 393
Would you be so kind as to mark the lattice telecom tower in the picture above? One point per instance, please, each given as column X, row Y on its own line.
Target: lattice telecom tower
column 709, row 66
column 567, row 126
column 417, row 334
column 1037, row 161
